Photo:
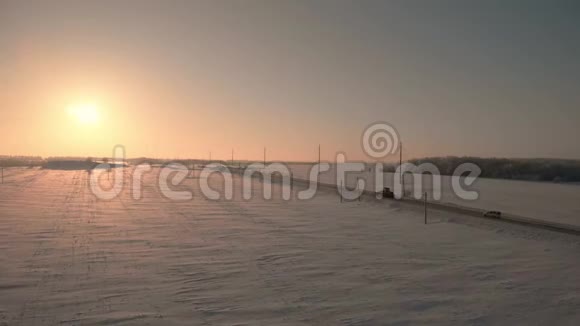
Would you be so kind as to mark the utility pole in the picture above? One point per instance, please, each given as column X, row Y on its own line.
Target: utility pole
column 425, row 207
column 264, row 156
column 402, row 175
column 318, row 154
column 401, row 162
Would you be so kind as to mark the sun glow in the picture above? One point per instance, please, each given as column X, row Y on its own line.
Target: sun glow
column 85, row 113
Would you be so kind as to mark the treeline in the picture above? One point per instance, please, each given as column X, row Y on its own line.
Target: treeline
column 15, row 161
column 553, row 170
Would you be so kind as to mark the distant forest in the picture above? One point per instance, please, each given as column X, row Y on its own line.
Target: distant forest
column 552, row 170
column 7, row 161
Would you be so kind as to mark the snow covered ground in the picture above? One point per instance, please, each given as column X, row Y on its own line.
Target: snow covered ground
column 70, row 259
column 553, row 202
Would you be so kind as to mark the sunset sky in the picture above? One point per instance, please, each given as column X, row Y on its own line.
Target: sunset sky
column 177, row 79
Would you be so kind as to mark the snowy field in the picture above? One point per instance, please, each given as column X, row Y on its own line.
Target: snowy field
column 554, row 202
column 70, row 259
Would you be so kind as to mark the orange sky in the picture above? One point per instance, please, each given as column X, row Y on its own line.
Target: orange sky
column 138, row 110
column 180, row 80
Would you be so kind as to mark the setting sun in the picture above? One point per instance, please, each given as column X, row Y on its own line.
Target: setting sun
column 85, row 113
